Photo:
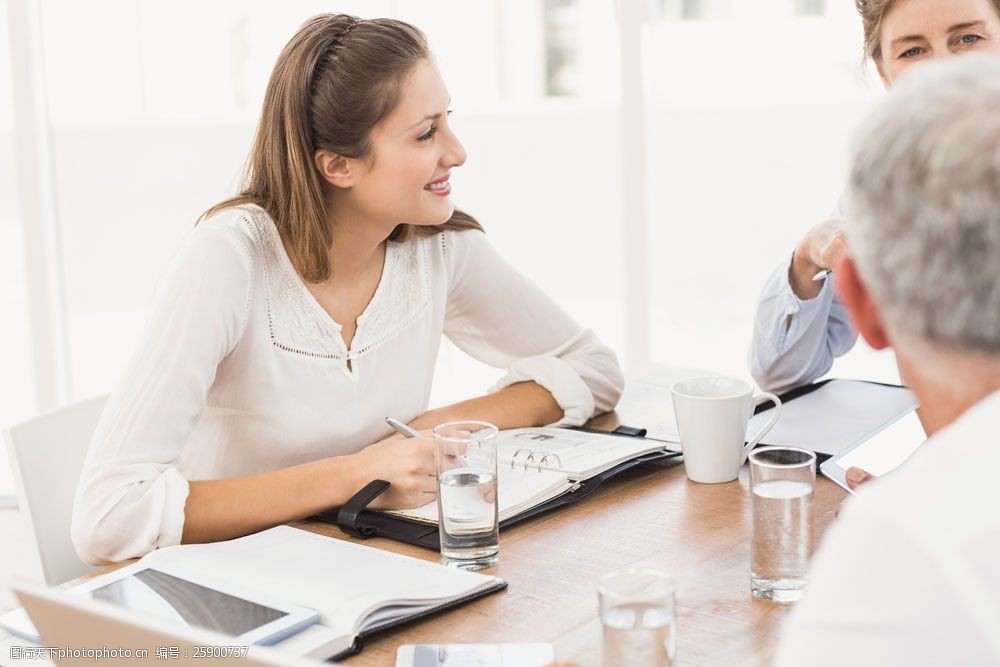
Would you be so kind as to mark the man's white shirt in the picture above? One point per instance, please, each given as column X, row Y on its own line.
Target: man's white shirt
column 910, row 572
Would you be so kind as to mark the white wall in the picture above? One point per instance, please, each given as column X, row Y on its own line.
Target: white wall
column 731, row 190
column 748, row 126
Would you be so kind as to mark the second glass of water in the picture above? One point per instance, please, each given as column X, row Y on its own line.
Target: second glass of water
column 781, row 528
column 637, row 612
column 466, row 457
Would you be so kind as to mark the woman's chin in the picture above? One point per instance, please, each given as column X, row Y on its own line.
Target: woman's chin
column 439, row 216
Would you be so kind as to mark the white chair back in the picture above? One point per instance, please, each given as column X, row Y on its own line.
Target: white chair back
column 46, row 457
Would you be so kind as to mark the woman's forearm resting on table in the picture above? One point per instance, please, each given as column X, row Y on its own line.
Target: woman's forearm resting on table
column 113, row 522
column 226, row 508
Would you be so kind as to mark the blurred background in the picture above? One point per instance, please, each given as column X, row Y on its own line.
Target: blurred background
column 736, row 117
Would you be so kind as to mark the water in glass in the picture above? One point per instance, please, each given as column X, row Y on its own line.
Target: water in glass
column 467, row 509
column 638, row 634
column 781, row 535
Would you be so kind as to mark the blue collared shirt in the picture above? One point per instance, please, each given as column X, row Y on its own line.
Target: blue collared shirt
column 796, row 341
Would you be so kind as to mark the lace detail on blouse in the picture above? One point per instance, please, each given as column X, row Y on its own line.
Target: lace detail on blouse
column 297, row 323
column 402, row 297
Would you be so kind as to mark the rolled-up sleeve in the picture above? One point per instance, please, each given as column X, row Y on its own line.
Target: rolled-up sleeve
column 501, row 318
column 796, row 341
column 131, row 495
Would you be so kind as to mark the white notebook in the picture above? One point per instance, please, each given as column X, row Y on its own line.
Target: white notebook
column 357, row 590
column 535, row 465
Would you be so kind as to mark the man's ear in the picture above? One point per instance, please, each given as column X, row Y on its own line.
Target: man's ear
column 335, row 169
column 862, row 309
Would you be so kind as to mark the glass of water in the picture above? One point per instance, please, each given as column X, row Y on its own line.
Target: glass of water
column 466, row 458
column 637, row 612
column 781, row 530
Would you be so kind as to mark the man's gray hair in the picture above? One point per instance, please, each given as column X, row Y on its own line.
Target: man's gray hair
column 925, row 203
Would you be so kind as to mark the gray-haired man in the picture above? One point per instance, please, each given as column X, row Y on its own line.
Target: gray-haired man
column 910, row 573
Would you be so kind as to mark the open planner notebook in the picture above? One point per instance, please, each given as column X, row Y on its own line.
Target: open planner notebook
column 535, row 465
column 358, row 590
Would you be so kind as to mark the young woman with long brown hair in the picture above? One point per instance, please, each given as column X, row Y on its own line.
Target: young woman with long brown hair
column 801, row 325
column 306, row 309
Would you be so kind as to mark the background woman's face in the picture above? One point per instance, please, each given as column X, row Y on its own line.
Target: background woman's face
column 916, row 30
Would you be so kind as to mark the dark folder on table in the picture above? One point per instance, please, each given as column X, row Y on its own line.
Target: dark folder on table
column 540, row 469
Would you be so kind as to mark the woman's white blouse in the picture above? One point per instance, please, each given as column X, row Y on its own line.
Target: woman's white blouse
column 241, row 371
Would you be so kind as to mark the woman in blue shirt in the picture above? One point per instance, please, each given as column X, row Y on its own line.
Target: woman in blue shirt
column 801, row 326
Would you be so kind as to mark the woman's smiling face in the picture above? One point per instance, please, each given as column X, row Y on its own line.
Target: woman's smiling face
column 405, row 179
column 915, row 30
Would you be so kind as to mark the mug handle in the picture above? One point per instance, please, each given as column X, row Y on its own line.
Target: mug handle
column 764, row 397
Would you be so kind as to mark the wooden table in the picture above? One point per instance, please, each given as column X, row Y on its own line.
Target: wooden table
column 655, row 518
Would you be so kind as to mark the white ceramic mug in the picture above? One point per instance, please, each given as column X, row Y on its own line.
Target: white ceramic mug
column 712, row 418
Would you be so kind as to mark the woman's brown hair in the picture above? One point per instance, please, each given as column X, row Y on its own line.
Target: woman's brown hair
column 335, row 80
column 872, row 14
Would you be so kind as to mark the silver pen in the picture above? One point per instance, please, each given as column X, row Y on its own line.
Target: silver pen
column 402, row 428
column 822, row 274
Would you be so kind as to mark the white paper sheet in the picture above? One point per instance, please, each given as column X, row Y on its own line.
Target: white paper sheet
column 343, row 581
column 647, row 392
column 835, row 416
column 568, row 456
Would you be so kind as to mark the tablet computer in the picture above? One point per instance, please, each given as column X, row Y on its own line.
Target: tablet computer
column 186, row 599
column 882, row 453
column 70, row 625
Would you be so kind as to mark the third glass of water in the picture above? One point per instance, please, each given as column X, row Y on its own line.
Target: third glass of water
column 637, row 612
column 466, row 458
column 781, row 529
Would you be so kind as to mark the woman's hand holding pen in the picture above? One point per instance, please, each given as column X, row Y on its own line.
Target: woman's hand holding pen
column 406, row 460
column 407, row 464
column 819, row 250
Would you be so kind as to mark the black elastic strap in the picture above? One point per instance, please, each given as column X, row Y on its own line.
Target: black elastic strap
column 630, row 431
column 347, row 517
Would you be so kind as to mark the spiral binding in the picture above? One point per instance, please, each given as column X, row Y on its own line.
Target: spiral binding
column 530, row 459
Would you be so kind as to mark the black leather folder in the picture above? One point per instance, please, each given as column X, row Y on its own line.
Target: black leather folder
column 355, row 519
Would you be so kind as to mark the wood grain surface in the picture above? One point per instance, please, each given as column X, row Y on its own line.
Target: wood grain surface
column 653, row 517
